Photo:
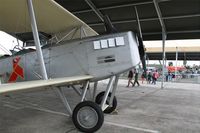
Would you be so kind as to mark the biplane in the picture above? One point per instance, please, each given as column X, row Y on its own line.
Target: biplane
column 68, row 52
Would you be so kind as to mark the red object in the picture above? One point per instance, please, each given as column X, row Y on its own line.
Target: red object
column 17, row 70
column 173, row 68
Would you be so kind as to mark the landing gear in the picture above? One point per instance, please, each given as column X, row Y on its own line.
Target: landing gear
column 88, row 117
column 111, row 107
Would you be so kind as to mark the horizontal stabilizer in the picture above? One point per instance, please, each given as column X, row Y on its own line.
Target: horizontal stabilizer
column 36, row 84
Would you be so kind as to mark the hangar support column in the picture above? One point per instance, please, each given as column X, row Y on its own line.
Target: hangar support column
column 164, row 36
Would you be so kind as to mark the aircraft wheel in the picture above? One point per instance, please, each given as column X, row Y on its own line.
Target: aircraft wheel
column 88, row 117
column 110, row 109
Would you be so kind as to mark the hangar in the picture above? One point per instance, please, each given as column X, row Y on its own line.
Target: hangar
column 181, row 19
column 160, row 32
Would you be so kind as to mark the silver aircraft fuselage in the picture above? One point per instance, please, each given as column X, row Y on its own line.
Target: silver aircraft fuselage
column 99, row 56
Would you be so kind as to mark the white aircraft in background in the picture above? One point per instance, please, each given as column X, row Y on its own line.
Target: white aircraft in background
column 59, row 61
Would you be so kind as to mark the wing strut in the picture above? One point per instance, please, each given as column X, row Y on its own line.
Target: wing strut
column 36, row 39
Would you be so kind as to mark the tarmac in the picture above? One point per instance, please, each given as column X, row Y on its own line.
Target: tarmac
column 143, row 109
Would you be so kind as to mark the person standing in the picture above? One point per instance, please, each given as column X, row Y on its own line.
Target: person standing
column 155, row 77
column 130, row 77
column 136, row 78
column 149, row 77
column 143, row 77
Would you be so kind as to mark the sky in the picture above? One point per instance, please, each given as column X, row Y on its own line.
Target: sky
column 8, row 42
column 174, row 43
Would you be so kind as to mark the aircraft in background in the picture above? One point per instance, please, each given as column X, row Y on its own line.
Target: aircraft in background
column 63, row 62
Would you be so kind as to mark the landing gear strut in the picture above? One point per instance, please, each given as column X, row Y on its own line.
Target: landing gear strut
column 87, row 116
column 107, row 99
column 110, row 108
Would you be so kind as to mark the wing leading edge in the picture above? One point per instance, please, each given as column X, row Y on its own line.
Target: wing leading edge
column 28, row 85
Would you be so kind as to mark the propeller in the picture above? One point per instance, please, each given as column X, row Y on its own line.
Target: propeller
column 108, row 25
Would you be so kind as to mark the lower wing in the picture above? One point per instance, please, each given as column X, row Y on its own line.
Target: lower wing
column 37, row 84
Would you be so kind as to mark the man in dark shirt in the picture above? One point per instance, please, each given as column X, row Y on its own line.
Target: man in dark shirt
column 130, row 77
column 136, row 78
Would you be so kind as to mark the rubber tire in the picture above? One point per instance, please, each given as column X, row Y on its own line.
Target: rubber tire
column 99, row 113
column 108, row 110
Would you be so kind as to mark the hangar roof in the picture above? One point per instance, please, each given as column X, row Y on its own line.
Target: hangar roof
column 181, row 17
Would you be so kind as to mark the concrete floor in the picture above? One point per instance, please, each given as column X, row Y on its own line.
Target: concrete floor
column 143, row 109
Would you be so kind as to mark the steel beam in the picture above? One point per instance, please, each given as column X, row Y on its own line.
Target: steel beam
column 138, row 21
column 98, row 13
column 172, row 32
column 176, row 63
column 159, row 15
column 163, row 61
column 164, row 36
column 117, row 6
column 36, row 39
column 148, row 19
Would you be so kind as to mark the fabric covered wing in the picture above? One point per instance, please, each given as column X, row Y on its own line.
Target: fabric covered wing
column 28, row 85
column 51, row 18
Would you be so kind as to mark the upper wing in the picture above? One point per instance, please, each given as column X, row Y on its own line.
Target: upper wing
column 50, row 16
column 42, row 83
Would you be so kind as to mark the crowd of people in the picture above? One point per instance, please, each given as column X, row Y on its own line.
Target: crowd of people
column 132, row 73
column 151, row 77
